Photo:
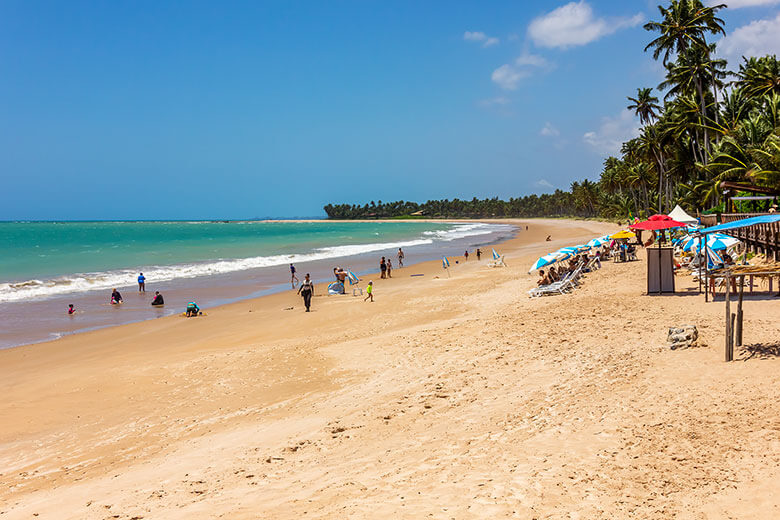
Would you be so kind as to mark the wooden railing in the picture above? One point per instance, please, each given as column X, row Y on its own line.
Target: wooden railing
column 761, row 238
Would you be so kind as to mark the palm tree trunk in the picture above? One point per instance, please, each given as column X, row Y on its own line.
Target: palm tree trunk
column 704, row 121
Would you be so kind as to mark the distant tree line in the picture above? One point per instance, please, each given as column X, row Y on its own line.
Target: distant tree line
column 706, row 131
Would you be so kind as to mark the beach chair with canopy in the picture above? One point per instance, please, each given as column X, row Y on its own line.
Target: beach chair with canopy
column 498, row 260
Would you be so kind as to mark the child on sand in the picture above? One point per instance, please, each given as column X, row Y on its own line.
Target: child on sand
column 192, row 309
column 370, row 291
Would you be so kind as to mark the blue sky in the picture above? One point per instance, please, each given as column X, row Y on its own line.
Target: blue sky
column 250, row 109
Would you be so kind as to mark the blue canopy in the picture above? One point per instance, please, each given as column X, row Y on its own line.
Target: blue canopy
column 762, row 219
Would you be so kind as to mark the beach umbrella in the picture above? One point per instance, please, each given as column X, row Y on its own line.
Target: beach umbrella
column 496, row 256
column 568, row 251
column 445, row 263
column 715, row 241
column 546, row 260
column 582, row 247
column 656, row 223
column 713, row 259
column 352, row 278
column 600, row 241
column 622, row 234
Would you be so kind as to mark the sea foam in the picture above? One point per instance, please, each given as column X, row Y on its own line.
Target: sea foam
column 83, row 282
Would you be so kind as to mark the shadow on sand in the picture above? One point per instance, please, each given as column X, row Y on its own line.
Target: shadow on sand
column 760, row 351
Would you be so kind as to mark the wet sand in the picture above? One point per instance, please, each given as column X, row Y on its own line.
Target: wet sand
column 448, row 397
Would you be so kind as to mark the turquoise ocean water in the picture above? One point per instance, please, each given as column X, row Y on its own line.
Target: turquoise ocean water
column 46, row 259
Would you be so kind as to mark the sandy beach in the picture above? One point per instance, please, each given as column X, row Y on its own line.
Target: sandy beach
column 448, row 397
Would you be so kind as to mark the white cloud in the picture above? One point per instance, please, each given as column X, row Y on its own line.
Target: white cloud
column 758, row 38
column 736, row 4
column 548, row 130
column 612, row 133
column 507, row 76
column 544, row 183
column 575, row 24
column 478, row 36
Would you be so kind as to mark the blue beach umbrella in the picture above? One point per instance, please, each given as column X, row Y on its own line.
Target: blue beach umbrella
column 715, row 241
column 569, row 251
column 582, row 247
column 445, row 263
column 546, row 260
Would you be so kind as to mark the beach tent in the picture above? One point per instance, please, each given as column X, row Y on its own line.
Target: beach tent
column 680, row 215
column 656, row 223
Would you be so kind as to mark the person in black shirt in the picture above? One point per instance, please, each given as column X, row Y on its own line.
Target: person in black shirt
column 158, row 299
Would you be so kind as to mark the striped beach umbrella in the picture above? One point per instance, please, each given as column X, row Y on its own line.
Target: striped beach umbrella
column 546, row 260
column 600, row 241
column 445, row 263
column 715, row 241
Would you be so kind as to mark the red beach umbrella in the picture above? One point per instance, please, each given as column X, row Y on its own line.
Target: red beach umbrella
column 657, row 222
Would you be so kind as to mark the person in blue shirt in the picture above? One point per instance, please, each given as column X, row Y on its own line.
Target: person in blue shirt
column 141, row 283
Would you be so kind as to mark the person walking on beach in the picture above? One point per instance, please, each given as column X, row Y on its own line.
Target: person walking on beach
column 141, row 283
column 400, row 257
column 293, row 278
column 466, row 255
column 370, row 291
column 306, row 290
column 389, row 268
column 383, row 268
column 479, row 254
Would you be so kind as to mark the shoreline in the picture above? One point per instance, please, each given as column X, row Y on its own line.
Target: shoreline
column 448, row 396
column 210, row 291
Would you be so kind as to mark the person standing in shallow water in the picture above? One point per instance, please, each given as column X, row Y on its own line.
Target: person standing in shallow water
column 306, row 290
column 400, row 257
column 293, row 278
column 389, row 268
column 383, row 268
column 141, row 283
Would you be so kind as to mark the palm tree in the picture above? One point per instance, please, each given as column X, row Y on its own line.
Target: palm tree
column 759, row 76
column 684, row 24
column 644, row 105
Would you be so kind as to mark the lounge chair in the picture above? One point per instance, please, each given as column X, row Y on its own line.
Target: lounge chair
column 498, row 260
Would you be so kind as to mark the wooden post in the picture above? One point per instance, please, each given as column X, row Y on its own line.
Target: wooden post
column 728, row 320
column 731, row 339
column 706, row 272
column 739, row 310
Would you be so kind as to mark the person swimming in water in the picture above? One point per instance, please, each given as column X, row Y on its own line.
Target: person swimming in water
column 115, row 297
column 158, row 299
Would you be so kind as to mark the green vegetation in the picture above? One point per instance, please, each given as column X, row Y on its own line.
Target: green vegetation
column 714, row 125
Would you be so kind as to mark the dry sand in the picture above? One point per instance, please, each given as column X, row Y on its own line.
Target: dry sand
column 446, row 398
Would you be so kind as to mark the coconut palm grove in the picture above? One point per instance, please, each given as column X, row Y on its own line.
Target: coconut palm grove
column 707, row 122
